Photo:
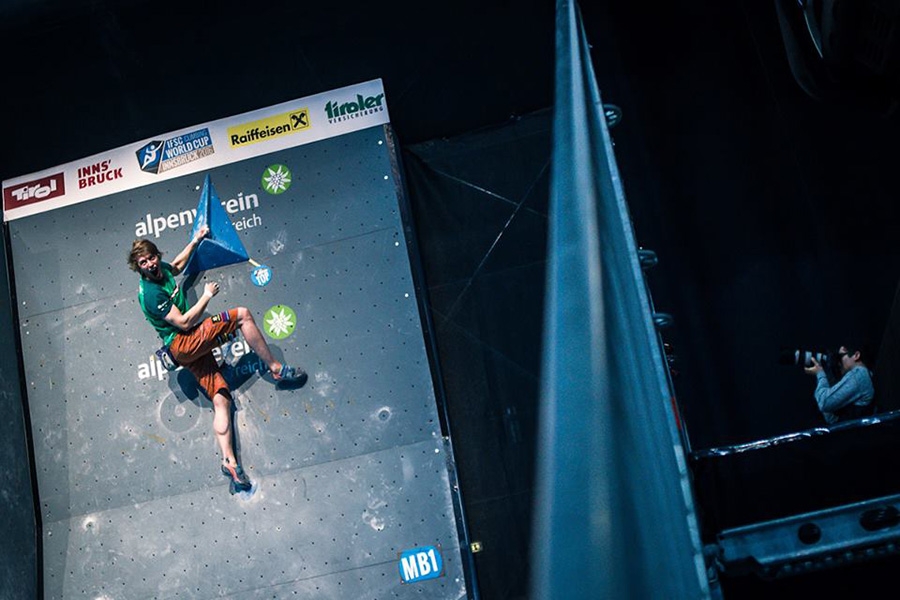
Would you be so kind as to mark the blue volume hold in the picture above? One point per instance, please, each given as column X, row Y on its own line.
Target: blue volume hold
column 222, row 247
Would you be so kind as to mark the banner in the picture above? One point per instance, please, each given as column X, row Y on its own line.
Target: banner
column 198, row 148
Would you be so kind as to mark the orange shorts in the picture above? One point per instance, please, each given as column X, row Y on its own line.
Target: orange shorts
column 193, row 350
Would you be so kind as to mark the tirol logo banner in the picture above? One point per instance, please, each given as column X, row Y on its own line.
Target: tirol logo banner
column 34, row 191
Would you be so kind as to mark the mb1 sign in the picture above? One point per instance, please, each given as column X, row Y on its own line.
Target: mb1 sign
column 420, row 564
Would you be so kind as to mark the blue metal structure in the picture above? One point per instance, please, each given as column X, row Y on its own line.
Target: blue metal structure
column 614, row 512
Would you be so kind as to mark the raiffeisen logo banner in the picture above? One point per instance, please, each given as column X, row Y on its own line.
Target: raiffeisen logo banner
column 269, row 128
column 201, row 147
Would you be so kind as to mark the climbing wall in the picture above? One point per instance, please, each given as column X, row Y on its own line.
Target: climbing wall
column 353, row 492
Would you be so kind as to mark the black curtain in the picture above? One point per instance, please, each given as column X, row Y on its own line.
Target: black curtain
column 479, row 203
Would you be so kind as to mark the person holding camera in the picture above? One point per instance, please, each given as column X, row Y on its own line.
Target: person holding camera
column 849, row 398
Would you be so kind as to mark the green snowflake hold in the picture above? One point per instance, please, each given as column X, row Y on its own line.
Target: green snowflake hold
column 279, row 322
column 276, row 179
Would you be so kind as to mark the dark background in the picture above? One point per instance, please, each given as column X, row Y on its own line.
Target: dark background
column 773, row 213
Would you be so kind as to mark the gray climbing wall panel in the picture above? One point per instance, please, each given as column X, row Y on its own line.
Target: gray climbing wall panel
column 349, row 470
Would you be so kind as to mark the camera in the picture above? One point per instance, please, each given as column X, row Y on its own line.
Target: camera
column 803, row 358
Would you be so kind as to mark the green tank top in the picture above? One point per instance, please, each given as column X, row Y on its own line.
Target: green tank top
column 157, row 298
